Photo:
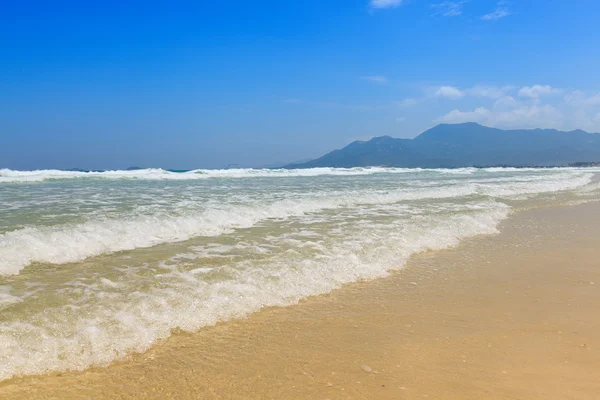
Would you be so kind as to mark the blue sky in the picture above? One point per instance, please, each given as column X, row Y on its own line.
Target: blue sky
column 204, row 84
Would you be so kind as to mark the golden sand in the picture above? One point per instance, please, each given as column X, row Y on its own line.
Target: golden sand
column 513, row 316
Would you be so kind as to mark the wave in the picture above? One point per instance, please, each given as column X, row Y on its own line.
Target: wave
column 15, row 176
column 69, row 243
column 117, row 318
column 75, row 242
column 12, row 176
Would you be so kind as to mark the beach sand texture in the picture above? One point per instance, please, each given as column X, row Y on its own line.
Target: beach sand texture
column 511, row 316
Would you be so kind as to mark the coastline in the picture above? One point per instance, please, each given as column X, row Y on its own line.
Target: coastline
column 497, row 317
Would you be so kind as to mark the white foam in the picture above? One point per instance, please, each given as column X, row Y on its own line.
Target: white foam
column 68, row 243
column 509, row 187
column 12, row 176
column 120, row 322
column 16, row 176
column 75, row 242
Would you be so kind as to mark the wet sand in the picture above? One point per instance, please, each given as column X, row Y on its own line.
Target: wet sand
column 512, row 316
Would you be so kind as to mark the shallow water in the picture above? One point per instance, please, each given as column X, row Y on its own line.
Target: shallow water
column 94, row 266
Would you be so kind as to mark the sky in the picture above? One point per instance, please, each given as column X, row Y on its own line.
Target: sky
column 206, row 84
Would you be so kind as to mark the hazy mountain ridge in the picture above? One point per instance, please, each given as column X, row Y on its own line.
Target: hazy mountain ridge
column 468, row 144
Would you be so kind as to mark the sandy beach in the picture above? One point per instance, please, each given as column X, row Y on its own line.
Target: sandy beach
column 510, row 316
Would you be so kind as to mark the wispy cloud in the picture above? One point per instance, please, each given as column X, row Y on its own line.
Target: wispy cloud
column 523, row 116
column 585, row 110
column 449, row 92
column 501, row 11
column 448, row 8
column 536, row 106
column 579, row 98
column 536, row 91
column 491, row 92
column 452, row 92
column 377, row 79
column 385, row 3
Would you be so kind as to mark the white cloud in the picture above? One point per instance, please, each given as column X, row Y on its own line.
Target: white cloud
column 378, row 79
column 578, row 98
column 524, row 116
column 505, row 102
column 535, row 106
column 593, row 100
column 536, row 91
column 448, row 8
column 452, row 92
column 449, row 92
column 491, row 92
column 386, row 3
column 508, row 106
column 584, row 110
column 499, row 12
column 480, row 114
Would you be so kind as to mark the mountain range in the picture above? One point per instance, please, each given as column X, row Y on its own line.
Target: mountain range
column 466, row 145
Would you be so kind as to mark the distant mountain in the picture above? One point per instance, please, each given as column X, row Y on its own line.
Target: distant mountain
column 465, row 145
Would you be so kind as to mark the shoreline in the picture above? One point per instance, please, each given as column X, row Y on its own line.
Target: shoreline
column 500, row 317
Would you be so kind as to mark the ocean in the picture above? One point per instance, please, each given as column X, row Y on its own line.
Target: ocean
column 95, row 266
